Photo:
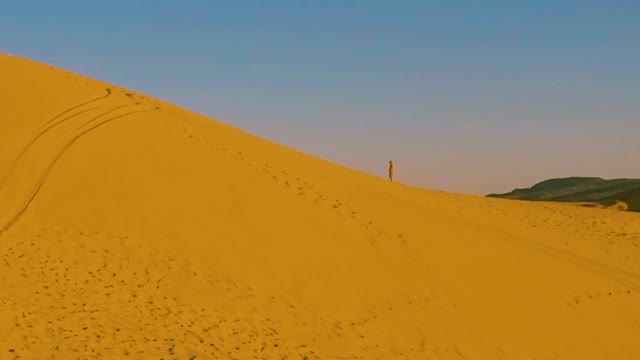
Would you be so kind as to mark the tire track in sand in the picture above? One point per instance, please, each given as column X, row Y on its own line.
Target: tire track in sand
column 79, row 105
column 31, row 195
column 48, row 128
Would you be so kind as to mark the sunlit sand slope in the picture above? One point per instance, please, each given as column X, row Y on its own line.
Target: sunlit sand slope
column 131, row 228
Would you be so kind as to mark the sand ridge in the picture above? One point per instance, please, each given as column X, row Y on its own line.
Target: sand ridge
column 132, row 228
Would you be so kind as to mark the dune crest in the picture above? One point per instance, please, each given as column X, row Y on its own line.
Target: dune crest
column 132, row 228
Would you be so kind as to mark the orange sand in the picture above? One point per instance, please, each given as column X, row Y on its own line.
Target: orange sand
column 132, row 228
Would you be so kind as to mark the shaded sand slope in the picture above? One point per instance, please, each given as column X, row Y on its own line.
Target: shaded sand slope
column 135, row 229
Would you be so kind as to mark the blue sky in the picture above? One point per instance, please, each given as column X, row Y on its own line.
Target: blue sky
column 464, row 96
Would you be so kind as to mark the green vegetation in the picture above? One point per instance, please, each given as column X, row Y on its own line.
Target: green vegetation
column 581, row 189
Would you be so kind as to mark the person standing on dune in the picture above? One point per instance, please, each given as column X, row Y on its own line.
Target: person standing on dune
column 391, row 168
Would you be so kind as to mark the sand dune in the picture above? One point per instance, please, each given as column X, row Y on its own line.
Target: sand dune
column 131, row 228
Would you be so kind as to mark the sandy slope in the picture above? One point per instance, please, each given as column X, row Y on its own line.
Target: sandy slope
column 135, row 229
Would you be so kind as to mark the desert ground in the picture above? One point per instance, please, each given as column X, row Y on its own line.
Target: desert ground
column 131, row 228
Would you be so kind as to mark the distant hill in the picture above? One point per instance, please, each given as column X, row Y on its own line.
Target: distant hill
column 581, row 189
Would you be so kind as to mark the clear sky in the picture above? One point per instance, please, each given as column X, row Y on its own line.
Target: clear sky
column 467, row 96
